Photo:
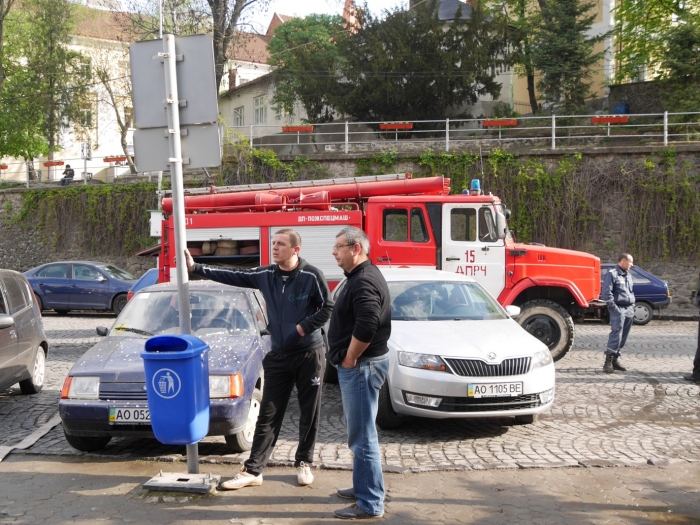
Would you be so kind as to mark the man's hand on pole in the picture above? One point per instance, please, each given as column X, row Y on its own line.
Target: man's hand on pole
column 189, row 260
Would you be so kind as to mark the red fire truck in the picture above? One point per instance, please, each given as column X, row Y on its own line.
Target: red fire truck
column 410, row 222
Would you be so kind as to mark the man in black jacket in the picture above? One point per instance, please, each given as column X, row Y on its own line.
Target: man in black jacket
column 298, row 305
column 357, row 339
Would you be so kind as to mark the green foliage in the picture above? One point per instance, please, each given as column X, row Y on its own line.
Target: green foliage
column 680, row 68
column 109, row 219
column 21, row 114
column 56, row 74
column 409, row 64
column 243, row 165
column 563, row 53
column 305, row 55
column 640, row 33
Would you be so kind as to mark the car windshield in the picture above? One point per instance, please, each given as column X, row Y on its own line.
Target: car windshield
column 213, row 312
column 117, row 273
column 441, row 300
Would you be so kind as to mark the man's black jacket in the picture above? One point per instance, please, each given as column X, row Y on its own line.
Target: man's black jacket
column 303, row 300
column 363, row 310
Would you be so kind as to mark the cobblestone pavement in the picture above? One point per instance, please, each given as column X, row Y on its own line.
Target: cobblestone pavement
column 647, row 415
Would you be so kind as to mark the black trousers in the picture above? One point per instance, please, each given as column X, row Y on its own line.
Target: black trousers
column 305, row 370
column 696, row 361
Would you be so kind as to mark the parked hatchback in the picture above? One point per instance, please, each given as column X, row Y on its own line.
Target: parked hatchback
column 454, row 352
column 104, row 394
column 650, row 292
column 23, row 344
column 80, row 285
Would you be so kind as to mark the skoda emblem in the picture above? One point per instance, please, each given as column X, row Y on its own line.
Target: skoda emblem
column 491, row 356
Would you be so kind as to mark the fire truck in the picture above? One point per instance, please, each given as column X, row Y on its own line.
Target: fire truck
column 411, row 222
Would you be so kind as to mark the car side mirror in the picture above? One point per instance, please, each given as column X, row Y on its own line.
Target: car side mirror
column 513, row 311
column 6, row 321
column 264, row 331
column 501, row 225
column 101, row 278
column 102, row 331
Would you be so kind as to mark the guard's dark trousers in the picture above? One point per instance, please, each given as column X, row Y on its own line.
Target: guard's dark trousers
column 282, row 373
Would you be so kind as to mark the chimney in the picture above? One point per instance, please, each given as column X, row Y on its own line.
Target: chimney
column 232, row 78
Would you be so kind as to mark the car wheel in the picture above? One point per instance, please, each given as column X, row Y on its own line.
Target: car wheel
column 386, row 417
column 62, row 312
column 550, row 323
column 526, row 420
column 34, row 384
column 643, row 312
column 243, row 440
column 87, row 443
column 119, row 303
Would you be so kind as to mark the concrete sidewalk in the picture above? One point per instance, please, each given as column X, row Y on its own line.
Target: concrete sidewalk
column 58, row 490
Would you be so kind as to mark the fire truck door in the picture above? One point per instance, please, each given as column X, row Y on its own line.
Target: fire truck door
column 471, row 247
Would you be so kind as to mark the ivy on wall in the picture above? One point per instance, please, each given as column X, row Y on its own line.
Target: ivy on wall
column 108, row 219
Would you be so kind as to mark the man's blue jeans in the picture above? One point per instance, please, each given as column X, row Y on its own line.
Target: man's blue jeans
column 360, row 387
column 621, row 318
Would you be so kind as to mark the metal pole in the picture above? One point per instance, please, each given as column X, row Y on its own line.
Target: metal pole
column 346, row 137
column 84, row 171
column 160, row 188
column 251, row 136
column 665, row 128
column 183, row 288
column 554, row 132
column 447, row 134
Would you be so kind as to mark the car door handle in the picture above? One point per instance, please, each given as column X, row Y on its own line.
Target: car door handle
column 452, row 259
column 484, row 248
column 380, row 259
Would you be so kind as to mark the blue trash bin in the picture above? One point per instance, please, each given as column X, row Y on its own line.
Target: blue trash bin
column 621, row 109
column 177, row 385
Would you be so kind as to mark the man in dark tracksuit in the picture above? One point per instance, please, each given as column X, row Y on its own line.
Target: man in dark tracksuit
column 298, row 305
column 617, row 293
column 695, row 375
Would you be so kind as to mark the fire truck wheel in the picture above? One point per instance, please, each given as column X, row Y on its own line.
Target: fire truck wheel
column 549, row 323
column 386, row 417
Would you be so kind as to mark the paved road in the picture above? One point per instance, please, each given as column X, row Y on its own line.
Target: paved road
column 648, row 415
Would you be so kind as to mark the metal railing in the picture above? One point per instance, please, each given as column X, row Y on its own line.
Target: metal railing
column 550, row 131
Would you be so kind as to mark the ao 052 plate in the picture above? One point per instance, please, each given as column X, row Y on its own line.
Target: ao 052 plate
column 130, row 415
column 495, row 389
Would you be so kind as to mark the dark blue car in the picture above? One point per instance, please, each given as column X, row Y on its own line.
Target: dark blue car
column 80, row 285
column 104, row 394
column 650, row 292
column 147, row 279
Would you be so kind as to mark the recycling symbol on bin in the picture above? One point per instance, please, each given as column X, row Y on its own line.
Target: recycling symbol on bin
column 166, row 383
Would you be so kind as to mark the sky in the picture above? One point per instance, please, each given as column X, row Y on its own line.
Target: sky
column 302, row 8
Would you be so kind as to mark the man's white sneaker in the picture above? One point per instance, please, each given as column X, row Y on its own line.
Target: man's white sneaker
column 304, row 475
column 242, row 479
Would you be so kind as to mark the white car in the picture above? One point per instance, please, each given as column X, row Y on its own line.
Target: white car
column 456, row 353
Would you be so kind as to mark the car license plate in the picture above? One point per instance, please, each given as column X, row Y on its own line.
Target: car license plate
column 495, row 389
column 132, row 415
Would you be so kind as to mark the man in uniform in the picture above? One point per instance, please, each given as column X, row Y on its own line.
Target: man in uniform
column 617, row 293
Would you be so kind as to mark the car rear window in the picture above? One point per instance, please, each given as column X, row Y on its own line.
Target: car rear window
column 3, row 307
column 117, row 273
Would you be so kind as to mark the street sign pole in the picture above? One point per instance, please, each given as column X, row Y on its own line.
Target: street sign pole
column 183, row 285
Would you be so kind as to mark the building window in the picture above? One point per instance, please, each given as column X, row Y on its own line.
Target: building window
column 260, row 104
column 238, row 117
column 85, row 69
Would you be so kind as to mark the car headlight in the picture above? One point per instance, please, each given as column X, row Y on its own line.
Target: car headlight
column 424, row 361
column 226, row 386
column 81, row 387
column 541, row 358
